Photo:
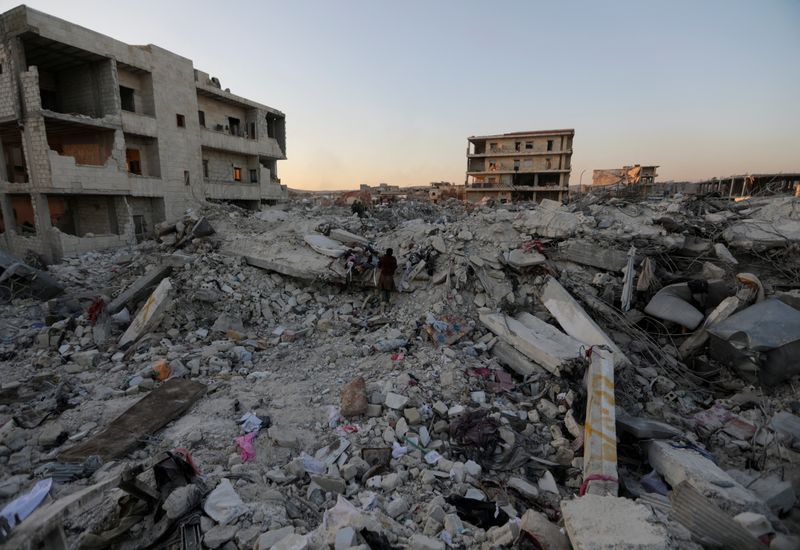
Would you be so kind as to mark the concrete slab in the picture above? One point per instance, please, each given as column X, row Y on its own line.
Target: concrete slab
column 140, row 288
column 150, row 313
column 537, row 340
column 574, row 319
column 596, row 522
column 679, row 464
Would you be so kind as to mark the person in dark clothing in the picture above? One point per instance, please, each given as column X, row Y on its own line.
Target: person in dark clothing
column 387, row 266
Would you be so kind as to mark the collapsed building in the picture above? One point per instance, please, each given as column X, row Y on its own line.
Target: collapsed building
column 101, row 140
column 609, row 373
column 519, row 166
column 627, row 175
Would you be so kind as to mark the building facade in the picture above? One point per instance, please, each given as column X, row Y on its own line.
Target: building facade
column 101, row 140
column 519, row 166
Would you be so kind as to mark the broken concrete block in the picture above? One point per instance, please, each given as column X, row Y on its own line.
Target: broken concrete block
column 223, row 504
column 725, row 309
column 395, row 401
column 283, row 437
column 777, row 494
column 590, row 253
column 270, row 538
column 219, row 535
column 202, row 228
column 546, row 533
column 520, row 259
column 182, row 500
column 524, row 488
column 140, row 288
column 345, row 538
column 539, row 341
column 678, row 464
column 413, row 416
column 515, row 360
column 52, row 434
column 332, row 484
column 724, row 254
column 292, row 542
column 226, row 323
column 421, row 542
column 397, row 508
column 596, row 522
column 347, row 238
column 150, row 314
column 86, row 359
column 551, row 220
column 755, row 524
column 503, row 536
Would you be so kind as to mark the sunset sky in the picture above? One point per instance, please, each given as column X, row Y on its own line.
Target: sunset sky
column 378, row 91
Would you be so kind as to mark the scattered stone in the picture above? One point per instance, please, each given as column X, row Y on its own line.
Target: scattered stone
column 283, row 437
column 396, row 508
column 421, row 542
column 345, row 538
column 395, row 401
column 182, row 500
column 270, row 538
column 219, row 535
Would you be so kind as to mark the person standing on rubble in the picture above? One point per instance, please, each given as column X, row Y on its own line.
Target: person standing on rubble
column 387, row 266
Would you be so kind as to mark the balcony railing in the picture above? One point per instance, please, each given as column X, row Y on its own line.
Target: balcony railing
column 228, row 131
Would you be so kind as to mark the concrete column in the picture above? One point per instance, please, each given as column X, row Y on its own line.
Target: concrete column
column 8, row 213
column 44, row 228
column 3, row 169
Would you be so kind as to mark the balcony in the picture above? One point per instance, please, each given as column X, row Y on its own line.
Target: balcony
column 511, row 152
column 230, row 190
column 141, row 125
column 69, row 177
column 224, row 141
column 509, row 170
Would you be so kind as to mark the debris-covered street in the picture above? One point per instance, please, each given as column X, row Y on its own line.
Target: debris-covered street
column 608, row 373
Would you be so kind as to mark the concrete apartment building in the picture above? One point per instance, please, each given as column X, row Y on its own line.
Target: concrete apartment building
column 101, row 140
column 519, row 166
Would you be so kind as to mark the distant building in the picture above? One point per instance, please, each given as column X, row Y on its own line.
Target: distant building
column 519, row 166
column 443, row 190
column 627, row 175
column 383, row 192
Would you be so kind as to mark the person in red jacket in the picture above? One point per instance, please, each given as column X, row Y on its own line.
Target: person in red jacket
column 387, row 266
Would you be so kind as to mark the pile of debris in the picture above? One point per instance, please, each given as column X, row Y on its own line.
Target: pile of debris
column 604, row 374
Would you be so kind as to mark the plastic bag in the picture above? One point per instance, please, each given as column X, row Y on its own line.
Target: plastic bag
column 246, row 449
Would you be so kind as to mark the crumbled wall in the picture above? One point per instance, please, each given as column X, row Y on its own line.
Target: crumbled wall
column 7, row 87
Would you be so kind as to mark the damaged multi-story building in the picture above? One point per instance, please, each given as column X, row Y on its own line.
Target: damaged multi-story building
column 627, row 175
column 519, row 166
column 101, row 140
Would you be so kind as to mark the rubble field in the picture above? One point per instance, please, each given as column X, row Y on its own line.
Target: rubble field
column 604, row 374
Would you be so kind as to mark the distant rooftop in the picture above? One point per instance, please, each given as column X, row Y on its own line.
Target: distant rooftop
column 563, row 131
